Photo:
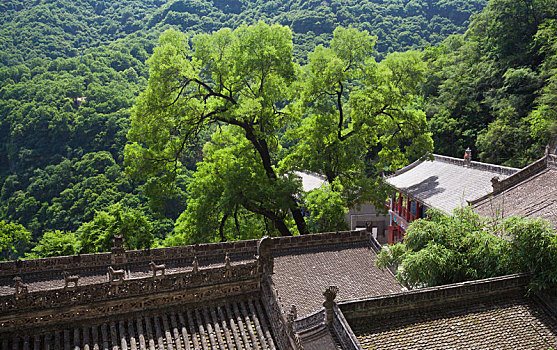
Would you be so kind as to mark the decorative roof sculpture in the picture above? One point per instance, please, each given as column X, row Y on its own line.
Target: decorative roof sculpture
column 209, row 296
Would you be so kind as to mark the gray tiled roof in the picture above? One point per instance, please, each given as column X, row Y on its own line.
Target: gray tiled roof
column 233, row 325
column 301, row 275
column 446, row 183
column 511, row 321
column 493, row 313
column 534, row 196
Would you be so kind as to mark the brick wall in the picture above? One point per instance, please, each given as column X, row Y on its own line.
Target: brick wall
column 308, row 241
column 433, row 295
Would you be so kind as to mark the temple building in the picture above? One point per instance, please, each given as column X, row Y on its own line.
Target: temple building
column 234, row 295
column 320, row 291
column 438, row 182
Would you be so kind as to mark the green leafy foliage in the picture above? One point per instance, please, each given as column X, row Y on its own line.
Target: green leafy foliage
column 236, row 78
column 245, row 84
column 55, row 243
column 63, row 28
column 14, row 240
column 230, row 195
column 464, row 246
column 352, row 110
column 326, row 209
column 97, row 234
column 493, row 89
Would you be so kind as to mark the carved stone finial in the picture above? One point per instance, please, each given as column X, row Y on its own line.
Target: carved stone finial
column 20, row 287
column 330, row 294
column 468, row 156
column 265, row 254
column 118, row 252
column 70, row 279
column 495, row 183
column 195, row 264
column 118, row 242
column 547, row 150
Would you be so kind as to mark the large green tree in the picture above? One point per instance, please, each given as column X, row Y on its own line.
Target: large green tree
column 337, row 108
column 237, row 78
column 352, row 109
column 230, row 196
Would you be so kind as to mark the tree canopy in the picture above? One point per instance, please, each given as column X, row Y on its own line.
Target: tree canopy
column 492, row 89
column 464, row 246
column 245, row 83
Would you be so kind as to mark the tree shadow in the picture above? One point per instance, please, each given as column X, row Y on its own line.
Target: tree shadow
column 426, row 189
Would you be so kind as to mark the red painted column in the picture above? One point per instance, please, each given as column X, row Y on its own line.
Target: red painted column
column 408, row 209
column 399, row 211
column 391, row 234
column 417, row 210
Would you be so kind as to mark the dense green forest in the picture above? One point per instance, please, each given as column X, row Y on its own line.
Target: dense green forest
column 70, row 74
column 494, row 89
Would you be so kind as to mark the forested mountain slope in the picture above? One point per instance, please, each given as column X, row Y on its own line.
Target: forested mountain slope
column 64, row 28
column 494, row 89
column 70, row 73
column 399, row 25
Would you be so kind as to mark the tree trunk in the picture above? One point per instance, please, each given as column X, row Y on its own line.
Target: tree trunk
column 263, row 150
column 221, row 228
column 298, row 217
column 278, row 222
column 281, row 227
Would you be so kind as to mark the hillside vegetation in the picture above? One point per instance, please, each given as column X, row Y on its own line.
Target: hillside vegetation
column 494, row 89
column 70, row 73
column 64, row 28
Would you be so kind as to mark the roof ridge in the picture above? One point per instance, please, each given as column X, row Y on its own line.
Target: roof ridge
column 504, row 170
column 73, row 262
column 448, row 291
column 411, row 165
column 523, row 174
column 315, row 239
